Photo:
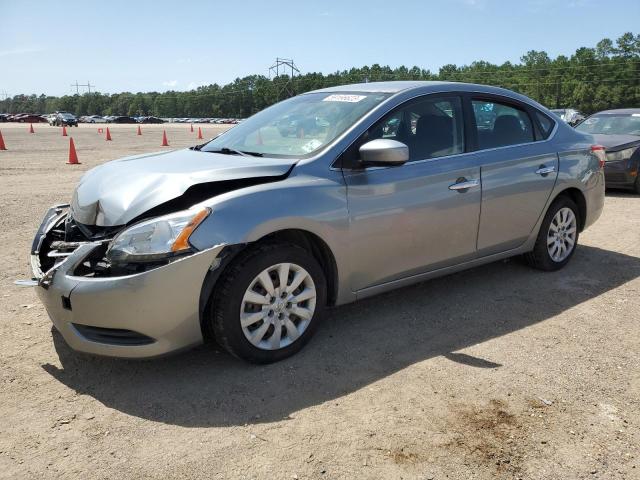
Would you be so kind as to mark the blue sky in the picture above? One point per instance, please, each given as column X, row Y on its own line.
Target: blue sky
column 144, row 45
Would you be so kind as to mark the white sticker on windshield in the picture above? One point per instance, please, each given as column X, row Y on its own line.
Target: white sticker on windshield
column 344, row 98
column 635, row 114
column 311, row 146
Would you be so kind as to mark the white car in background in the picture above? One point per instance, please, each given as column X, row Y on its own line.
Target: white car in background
column 95, row 119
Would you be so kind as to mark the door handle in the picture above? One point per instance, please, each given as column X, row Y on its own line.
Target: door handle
column 544, row 171
column 462, row 184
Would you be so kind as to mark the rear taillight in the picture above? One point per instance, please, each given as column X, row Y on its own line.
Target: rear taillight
column 599, row 152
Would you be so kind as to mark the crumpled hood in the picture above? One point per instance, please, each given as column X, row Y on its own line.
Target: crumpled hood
column 612, row 142
column 119, row 191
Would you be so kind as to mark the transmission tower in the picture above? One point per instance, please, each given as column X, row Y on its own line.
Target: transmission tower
column 288, row 67
column 78, row 85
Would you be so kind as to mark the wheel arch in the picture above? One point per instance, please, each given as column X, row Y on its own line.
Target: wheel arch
column 318, row 248
column 310, row 241
column 576, row 195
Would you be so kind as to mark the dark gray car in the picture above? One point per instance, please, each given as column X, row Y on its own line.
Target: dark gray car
column 248, row 238
column 619, row 132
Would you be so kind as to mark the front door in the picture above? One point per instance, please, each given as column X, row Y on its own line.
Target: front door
column 424, row 214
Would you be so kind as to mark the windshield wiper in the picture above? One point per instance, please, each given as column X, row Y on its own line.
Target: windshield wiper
column 198, row 147
column 233, row 151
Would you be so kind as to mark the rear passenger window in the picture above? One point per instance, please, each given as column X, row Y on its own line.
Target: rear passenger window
column 500, row 125
column 546, row 124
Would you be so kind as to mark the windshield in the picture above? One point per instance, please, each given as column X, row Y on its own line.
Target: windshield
column 611, row 124
column 297, row 127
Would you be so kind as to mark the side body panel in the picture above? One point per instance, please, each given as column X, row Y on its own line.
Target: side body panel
column 314, row 198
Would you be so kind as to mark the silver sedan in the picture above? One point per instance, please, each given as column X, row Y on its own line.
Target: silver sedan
column 317, row 201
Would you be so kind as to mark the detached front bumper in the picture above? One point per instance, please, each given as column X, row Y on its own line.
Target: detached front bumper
column 142, row 315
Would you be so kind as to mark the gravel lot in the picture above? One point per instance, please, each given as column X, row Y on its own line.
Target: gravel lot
column 497, row 372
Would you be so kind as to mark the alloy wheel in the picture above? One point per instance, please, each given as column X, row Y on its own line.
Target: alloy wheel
column 278, row 306
column 561, row 238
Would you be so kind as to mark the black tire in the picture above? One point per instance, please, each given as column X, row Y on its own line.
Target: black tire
column 223, row 311
column 539, row 257
column 636, row 187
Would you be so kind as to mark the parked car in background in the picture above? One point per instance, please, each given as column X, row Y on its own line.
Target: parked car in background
column 569, row 115
column 63, row 118
column 4, row 117
column 249, row 237
column 150, row 120
column 28, row 118
column 121, row 119
column 619, row 132
column 95, row 119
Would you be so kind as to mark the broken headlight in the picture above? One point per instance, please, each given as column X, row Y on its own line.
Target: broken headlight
column 157, row 238
column 625, row 154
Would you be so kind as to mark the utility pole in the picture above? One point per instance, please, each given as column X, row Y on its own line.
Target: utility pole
column 76, row 85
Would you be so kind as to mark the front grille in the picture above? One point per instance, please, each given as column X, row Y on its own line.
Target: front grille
column 65, row 237
column 113, row 336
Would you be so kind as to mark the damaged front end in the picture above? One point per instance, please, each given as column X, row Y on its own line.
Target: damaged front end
column 59, row 236
column 125, row 309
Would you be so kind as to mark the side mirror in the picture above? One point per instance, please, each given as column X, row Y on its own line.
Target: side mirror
column 384, row 152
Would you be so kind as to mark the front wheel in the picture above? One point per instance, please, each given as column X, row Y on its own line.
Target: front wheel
column 268, row 303
column 558, row 236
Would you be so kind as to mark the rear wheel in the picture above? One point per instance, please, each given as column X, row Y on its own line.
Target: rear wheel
column 636, row 187
column 558, row 236
column 268, row 303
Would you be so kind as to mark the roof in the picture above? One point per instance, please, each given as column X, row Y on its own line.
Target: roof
column 400, row 86
column 424, row 87
column 380, row 87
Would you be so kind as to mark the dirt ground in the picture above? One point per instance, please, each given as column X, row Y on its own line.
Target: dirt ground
column 497, row 372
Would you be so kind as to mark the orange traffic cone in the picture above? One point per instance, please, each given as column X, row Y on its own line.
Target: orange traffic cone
column 31, row 128
column 73, row 156
column 164, row 139
column 199, row 133
column 108, row 137
column 139, row 130
column 192, row 128
column 64, row 130
column 2, row 145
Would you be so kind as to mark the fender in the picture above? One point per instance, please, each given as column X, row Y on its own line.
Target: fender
column 302, row 201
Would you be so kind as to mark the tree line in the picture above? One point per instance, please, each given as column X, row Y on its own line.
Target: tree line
column 592, row 79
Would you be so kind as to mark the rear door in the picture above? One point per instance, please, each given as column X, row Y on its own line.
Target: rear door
column 519, row 167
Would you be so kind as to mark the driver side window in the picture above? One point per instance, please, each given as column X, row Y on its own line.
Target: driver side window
column 431, row 127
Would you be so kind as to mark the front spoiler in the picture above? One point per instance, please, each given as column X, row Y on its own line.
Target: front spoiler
column 162, row 303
